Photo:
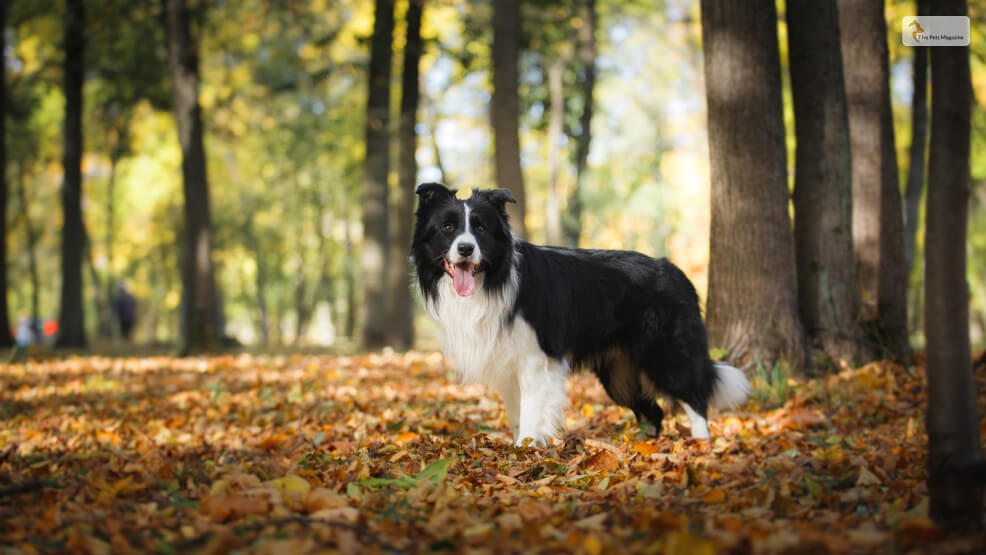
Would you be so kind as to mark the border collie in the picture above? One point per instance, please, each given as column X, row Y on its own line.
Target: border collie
column 517, row 317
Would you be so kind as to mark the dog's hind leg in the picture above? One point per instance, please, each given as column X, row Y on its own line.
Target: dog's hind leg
column 622, row 383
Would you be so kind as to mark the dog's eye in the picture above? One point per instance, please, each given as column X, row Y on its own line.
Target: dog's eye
column 448, row 228
column 481, row 228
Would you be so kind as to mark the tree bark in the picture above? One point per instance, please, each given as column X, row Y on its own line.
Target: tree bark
column 952, row 419
column 506, row 109
column 200, row 298
column 71, row 331
column 376, row 168
column 919, row 135
column 878, row 236
column 400, row 331
column 555, row 124
column 752, row 310
column 572, row 223
column 6, row 338
column 828, row 298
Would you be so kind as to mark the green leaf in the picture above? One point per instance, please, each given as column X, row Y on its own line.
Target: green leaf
column 436, row 471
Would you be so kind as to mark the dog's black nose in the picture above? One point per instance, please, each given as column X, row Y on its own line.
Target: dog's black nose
column 465, row 249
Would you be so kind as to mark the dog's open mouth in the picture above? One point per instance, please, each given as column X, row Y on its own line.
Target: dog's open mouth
column 463, row 276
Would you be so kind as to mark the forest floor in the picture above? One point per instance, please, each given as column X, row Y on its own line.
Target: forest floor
column 386, row 453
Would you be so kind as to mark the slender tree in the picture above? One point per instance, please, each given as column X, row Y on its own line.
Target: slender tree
column 201, row 318
column 32, row 236
column 828, row 298
column 572, row 223
column 71, row 331
column 952, row 419
column 919, row 136
column 506, row 108
column 752, row 309
column 376, row 167
column 556, row 115
column 400, row 326
column 6, row 338
column 878, row 237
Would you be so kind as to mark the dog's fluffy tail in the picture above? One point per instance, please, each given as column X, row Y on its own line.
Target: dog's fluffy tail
column 731, row 386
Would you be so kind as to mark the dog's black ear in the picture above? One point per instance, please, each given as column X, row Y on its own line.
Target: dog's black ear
column 430, row 193
column 498, row 198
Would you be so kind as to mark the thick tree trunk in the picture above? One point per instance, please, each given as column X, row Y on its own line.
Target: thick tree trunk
column 555, row 123
column 506, row 109
column 400, row 331
column 878, row 236
column 200, row 298
column 952, row 419
column 572, row 223
column 752, row 309
column 71, row 331
column 376, row 168
column 827, row 294
column 6, row 338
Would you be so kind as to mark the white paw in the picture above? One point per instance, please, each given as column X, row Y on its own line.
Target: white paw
column 532, row 442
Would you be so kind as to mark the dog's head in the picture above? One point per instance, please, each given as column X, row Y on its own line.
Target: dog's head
column 463, row 239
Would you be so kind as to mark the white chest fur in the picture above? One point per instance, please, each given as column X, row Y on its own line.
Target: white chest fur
column 477, row 336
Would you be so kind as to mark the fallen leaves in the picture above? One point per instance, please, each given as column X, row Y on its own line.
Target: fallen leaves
column 380, row 453
column 603, row 460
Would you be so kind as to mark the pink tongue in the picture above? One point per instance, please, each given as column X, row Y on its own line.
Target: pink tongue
column 463, row 281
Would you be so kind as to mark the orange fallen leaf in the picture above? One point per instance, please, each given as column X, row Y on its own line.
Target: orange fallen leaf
column 531, row 510
column 222, row 507
column 405, row 437
column 717, row 495
column 322, row 498
column 603, row 460
column 644, row 448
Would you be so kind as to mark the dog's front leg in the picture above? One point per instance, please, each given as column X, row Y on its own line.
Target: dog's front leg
column 541, row 381
column 510, row 393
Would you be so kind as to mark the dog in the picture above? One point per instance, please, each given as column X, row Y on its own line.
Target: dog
column 518, row 318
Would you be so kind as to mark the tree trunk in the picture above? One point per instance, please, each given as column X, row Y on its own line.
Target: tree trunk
column 555, row 123
column 71, row 332
column 260, row 283
column 878, row 236
column 350, row 279
column 32, row 254
column 102, row 305
column 115, row 156
column 200, row 298
column 752, row 309
column 952, row 419
column 506, row 109
column 432, row 115
column 400, row 331
column 827, row 294
column 919, row 134
column 6, row 338
column 376, row 168
column 572, row 224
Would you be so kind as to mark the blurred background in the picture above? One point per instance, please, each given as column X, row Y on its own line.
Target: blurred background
column 283, row 91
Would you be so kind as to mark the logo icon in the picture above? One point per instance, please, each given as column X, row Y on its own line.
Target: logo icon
column 919, row 29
